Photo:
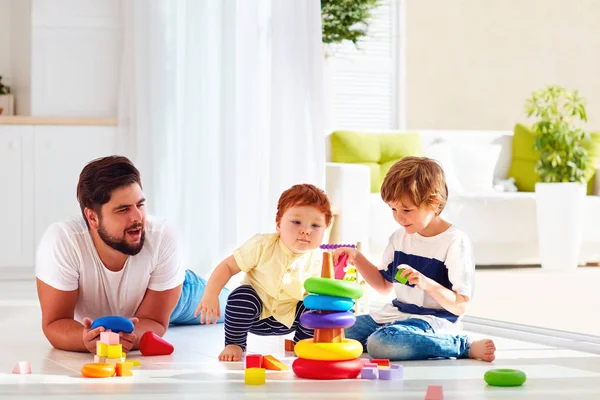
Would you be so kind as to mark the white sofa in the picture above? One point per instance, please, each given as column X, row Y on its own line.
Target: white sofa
column 501, row 225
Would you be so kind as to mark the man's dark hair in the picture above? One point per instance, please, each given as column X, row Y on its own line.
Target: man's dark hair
column 100, row 177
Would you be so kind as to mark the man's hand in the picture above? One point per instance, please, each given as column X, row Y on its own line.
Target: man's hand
column 207, row 309
column 127, row 340
column 91, row 336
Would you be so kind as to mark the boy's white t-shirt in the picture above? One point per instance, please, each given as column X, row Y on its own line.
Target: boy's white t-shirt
column 446, row 258
column 67, row 260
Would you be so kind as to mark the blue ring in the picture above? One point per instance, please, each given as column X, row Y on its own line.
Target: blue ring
column 114, row 323
column 328, row 303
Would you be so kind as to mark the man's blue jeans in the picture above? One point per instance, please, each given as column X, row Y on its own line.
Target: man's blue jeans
column 410, row 339
column 191, row 294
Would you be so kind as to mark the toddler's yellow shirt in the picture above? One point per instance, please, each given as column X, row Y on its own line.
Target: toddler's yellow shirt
column 277, row 274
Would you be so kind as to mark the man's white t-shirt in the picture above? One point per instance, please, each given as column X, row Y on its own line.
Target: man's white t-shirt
column 446, row 258
column 67, row 260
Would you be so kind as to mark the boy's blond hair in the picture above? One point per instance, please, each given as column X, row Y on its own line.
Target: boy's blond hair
column 417, row 179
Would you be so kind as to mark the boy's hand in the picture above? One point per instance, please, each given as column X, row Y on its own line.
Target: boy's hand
column 91, row 336
column 208, row 308
column 351, row 252
column 414, row 277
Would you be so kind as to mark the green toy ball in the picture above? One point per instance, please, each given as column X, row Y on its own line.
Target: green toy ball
column 505, row 377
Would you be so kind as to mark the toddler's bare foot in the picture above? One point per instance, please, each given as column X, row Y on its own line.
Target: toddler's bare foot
column 231, row 352
column 483, row 350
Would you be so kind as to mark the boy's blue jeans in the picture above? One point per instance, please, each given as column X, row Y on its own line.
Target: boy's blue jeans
column 191, row 294
column 410, row 339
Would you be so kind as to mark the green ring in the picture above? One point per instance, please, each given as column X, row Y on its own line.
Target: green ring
column 333, row 287
column 505, row 377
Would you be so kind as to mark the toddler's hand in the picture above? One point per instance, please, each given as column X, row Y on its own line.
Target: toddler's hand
column 207, row 309
column 350, row 252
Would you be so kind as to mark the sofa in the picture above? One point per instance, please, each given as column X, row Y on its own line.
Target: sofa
column 501, row 224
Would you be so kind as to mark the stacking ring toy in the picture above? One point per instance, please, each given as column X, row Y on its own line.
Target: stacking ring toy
column 98, row 370
column 313, row 320
column 327, row 303
column 114, row 323
column 346, row 350
column 505, row 377
column 333, row 287
column 313, row 369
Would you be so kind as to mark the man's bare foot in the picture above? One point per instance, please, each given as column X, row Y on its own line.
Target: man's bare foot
column 231, row 352
column 483, row 350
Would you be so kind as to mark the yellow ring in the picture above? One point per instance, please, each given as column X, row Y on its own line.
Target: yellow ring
column 347, row 350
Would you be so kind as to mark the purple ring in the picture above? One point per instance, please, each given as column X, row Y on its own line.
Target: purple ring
column 314, row 320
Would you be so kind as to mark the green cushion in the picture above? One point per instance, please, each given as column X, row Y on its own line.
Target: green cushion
column 378, row 151
column 524, row 157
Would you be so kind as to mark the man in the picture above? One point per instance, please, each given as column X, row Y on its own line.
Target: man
column 115, row 260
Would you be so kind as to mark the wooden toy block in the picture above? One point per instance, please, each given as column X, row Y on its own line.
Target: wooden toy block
column 255, row 376
column 109, row 337
column 114, row 361
column 123, row 354
column 393, row 373
column 254, row 361
column 289, row 345
column 434, row 393
column 124, row 368
column 99, row 359
column 22, row 368
column 153, row 345
column 368, row 373
column 101, row 349
column 270, row 362
column 136, row 363
column 114, row 351
column 382, row 362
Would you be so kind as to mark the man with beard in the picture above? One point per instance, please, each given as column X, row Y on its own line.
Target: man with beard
column 115, row 260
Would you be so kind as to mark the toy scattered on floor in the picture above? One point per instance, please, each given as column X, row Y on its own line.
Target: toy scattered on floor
column 329, row 355
column 22, row 368
column 255, row 376
column 505, row 377
column 114, row 323
column 382, row 369
column 434, row 393
column 393, row 373
column 254, row 360
column 289, row 345
column 98, row 370
column 153, row 345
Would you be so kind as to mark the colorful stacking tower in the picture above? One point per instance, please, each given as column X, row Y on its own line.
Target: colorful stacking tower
column 109, row 358
column 329, row 355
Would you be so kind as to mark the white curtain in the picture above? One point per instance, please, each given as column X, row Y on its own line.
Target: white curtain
column 221, row 110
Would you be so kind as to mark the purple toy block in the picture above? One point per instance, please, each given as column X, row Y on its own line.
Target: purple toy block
column 368, row 373
column 393, row 373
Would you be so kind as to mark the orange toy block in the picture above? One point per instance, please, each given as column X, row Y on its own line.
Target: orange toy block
column 22, row 368
column 289, row 345
column 381, row 362
column 124, row 368
column 270, row 362
column 109, row 337
column 254, row 361
column 434, row 393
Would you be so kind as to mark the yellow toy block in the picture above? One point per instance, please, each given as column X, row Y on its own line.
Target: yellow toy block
column 115, row 350
column 114, row 361
column 99, row 359
column 270, row 362
column 255, row 376
column 101, row 349
column 124, row 368
column 136, row 363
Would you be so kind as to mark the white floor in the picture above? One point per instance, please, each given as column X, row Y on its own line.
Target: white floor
column 193, row 371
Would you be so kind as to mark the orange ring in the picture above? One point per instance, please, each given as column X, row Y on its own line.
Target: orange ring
column 98, row 370
column 346, row 350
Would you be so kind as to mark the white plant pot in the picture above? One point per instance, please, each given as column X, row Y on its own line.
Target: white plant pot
column 560, row 224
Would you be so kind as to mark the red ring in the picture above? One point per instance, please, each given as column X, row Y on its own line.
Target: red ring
column 318, row 369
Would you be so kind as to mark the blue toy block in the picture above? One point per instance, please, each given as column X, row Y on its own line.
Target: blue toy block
column 368, row 373
column 114, row 323
column 393, row 373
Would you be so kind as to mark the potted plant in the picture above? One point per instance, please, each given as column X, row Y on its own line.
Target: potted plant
column 559, row 138
column 6, row 100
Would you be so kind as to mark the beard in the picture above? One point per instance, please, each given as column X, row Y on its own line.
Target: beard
column 120, row 244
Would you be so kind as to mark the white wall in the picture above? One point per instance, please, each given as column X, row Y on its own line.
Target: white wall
column 76, row 51
column 471, row 63
column 5, row 15
column 20, row 55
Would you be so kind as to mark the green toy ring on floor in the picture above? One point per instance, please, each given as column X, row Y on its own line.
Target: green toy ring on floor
column 333, row 287
column 505, row 377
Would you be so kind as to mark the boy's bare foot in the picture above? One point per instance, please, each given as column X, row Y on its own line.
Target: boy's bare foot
column 483, row 350
column 233, row 352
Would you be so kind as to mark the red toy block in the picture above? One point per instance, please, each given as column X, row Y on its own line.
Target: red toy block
column 254, row 361
column 382, row 362
column 22, row 368
column 153, row 345
column 434, row 393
